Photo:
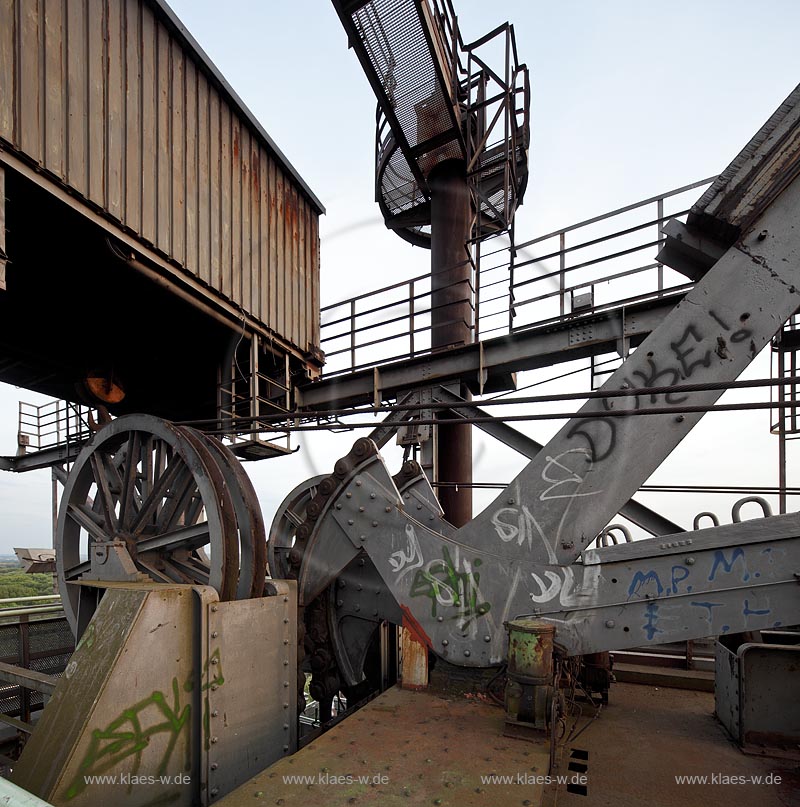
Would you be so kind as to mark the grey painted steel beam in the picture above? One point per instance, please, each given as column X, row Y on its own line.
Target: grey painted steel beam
column 634, row 511
column 381, row 435
column 19, row 725
column 728, row 579
column 45, row 458
column 593, row 466
column 524, row 350
column 688, row 251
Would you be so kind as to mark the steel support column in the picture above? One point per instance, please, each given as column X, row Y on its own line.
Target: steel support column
column 3, row 256
column 451, row 323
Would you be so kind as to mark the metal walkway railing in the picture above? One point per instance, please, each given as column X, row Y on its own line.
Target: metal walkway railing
column 603, row 262
column 35, row 637
column 55, row 423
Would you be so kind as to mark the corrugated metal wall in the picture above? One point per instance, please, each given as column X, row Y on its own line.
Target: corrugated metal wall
column 102, row 96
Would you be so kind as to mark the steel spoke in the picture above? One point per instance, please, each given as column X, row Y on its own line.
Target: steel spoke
column 294, row 518
column 148, row 475
column 177, row 574
column 189, row 538
column 194, row 509
column 128, row 494
column 162, row 457
column 111, row 466
column 85, row 518
column 158, row 492
column 198, row 573
column 76, row 571
column 105, row 497
column 177, row 501
column 152, row 571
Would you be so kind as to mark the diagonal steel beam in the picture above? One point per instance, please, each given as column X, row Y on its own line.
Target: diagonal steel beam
column 634, row 511
column 593, row 466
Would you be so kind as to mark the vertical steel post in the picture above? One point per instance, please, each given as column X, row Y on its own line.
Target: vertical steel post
column 451, row 323
column 781, row 432
column 54, row 505
column 660, row 217
column 353, row 334
column 2, row 229
column 412, row 325
column 24, row 661
column 562, row 269
column 255, row 408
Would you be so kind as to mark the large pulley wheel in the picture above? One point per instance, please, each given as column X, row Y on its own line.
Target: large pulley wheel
column 288, row 518
column 250, row 521
column 147, row 499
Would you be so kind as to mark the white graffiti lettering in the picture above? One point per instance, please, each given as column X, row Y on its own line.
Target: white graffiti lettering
column 513, row 523
column 406, row 560
column 569, row 477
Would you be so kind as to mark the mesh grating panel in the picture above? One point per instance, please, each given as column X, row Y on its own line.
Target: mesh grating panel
column 394, row 39
column 10, row 700
column 50, row 646
column 9, row 643
column 48, row 636
column 393, row 35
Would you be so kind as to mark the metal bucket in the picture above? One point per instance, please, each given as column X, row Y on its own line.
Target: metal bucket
column 530, row 650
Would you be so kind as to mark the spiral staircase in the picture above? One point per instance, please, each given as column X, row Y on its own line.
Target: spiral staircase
column 439, row 99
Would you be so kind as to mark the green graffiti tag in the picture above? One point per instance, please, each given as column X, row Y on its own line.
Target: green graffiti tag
column 448, row 587
column 133, row 730
column 87, row 638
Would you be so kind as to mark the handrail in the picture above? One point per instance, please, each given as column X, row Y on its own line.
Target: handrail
column 611, row 259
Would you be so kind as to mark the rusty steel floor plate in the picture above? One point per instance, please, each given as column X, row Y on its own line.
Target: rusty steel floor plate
column 648, row 736
column 411, row 748
column 423, row 748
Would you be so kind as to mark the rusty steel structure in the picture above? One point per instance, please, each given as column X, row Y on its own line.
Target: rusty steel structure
column 117, row 129
column 451, row 169
column 200, row 629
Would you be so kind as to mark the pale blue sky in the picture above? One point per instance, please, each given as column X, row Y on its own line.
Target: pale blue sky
column 628, row 99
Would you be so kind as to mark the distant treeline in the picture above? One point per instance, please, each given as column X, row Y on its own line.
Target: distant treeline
column 14, row 582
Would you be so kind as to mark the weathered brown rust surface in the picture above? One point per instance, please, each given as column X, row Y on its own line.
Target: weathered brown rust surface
column 647, row 736
column 415, row 661
column 111, row 102
column 415, row 748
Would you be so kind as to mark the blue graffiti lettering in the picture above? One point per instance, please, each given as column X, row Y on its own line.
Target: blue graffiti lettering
column 640, row 579
column 676, row 570
column 709, row 606
column 747, row 610
column 727, row 565
column 652, row 620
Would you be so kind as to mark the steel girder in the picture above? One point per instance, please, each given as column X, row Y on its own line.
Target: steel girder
column 527, row 552
column 600, row 458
